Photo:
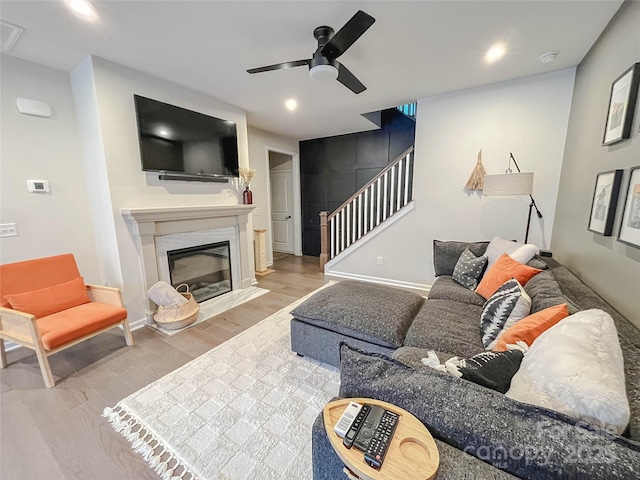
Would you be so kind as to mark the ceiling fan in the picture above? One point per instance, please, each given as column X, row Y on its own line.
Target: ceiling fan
column 323, row 65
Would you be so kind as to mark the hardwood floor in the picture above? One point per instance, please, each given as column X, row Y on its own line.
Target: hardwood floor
column 59, row 432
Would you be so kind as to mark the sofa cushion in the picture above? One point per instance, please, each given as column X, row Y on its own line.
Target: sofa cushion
column 520, row 252
column 505, row 268
column 73, row 323
column 544, row 291
column 446, row 326
column 527, row 441
column 577, row 368
column 446, row 254
column 469, row 268
column 503, row 309
column 29, row 275
column 46, row 301
column 444, row 288
column 374, row 313
column 531, row 327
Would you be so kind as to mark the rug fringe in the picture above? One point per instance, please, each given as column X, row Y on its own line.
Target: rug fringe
column 144, row 443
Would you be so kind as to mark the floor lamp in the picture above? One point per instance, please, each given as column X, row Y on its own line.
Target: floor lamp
column 512, row 184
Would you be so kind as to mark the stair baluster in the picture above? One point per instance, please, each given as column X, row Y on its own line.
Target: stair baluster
column 382, row 197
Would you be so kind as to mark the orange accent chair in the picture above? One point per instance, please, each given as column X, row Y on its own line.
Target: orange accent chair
column 45, row 306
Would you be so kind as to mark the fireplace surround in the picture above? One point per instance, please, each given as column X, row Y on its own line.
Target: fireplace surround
column 158, row 230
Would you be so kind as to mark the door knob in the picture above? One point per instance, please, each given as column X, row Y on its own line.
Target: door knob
column 288, row 217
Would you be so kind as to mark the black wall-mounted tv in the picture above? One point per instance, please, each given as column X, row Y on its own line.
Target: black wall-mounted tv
column 179, row 141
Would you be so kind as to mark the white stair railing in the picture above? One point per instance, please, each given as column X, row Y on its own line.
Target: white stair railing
column 378, row 200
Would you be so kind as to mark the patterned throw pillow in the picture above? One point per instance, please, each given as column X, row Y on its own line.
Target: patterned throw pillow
column 493, row 370
column 504, row 308
column 469, row 269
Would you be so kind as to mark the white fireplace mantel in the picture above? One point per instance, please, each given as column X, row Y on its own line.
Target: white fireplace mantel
column 147, row 223
column 163, row 214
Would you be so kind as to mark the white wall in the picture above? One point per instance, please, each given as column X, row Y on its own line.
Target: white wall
column 611, row 268
column 527, row 117
column 43, row 148
column 259, row 143
column 104, row 93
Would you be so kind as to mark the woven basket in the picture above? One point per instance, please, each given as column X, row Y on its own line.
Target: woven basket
column 173, row 318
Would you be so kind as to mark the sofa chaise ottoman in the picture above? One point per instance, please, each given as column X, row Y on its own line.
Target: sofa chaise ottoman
column 369, row 316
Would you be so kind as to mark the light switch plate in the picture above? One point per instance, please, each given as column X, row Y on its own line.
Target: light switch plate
column 8, row 230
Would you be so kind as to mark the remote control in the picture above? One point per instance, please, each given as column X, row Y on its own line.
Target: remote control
column 347, row 418
column 368, row 428
column 379, row 444
column 347, row 441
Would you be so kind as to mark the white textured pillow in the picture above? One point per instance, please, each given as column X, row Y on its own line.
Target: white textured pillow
column 576, row 368
column 520, row 252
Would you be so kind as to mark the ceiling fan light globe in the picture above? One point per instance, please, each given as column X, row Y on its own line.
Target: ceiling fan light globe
column 323, row 72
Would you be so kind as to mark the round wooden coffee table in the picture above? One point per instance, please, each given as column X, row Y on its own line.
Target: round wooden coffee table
column 412, row 454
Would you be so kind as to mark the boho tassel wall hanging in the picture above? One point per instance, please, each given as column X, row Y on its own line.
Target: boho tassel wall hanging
column 476, row 180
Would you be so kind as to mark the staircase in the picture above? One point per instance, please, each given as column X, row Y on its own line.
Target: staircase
column 384, row 196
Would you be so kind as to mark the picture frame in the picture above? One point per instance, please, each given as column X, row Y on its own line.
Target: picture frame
column 622, row 104
column 630, row 223
column 604, row 202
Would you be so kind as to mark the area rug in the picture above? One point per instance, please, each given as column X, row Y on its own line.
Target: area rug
column 218, row 305
column 243, row 410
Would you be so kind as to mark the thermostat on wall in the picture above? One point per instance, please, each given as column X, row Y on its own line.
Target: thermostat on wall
column 38, row 186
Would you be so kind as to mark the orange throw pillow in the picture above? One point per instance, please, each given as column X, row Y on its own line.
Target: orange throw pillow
column 505, row 268
column 531, row 327
column 46, row 301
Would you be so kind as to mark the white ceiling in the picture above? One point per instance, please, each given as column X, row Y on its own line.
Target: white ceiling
column 414, row 50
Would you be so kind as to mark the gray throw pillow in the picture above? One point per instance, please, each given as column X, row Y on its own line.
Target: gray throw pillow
column 446, row 254
column 469, row 268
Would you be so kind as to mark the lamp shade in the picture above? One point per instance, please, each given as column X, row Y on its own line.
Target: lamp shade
column 508, row 184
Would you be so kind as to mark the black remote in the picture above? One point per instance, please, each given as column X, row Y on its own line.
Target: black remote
column 368, row 428
column 347, row 441
column 379, row 444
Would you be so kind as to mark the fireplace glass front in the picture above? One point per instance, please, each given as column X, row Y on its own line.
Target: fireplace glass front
column 205, row 268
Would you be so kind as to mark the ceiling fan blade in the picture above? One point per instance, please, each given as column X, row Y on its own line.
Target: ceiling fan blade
column 348, row 34
column 279, row 66
column 349, row 80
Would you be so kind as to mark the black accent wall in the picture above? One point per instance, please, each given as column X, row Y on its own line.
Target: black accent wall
column 334, row 168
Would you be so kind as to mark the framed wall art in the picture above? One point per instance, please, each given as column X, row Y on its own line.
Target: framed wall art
column 622, row 103
column 605, row 199
column 630, row 226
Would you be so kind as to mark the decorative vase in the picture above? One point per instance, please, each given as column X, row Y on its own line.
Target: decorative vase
column 247, row 196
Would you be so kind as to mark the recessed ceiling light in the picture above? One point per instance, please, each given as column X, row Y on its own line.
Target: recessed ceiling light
column 164, row 133
column 495, row 53
column 291, row 104
column 548, row 57
column 83, row 8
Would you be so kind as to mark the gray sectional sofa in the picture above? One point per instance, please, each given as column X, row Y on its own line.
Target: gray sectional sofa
column 480, row 433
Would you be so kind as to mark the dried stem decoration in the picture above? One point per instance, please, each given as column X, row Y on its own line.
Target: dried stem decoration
column 476, row 180
column 246, row 174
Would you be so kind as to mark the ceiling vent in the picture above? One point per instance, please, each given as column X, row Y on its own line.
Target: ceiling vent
column 9, row 35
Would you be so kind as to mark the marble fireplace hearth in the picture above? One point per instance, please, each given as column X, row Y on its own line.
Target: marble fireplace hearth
column 158, row 228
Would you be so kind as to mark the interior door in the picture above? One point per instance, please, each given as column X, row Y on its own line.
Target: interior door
column 282, row 211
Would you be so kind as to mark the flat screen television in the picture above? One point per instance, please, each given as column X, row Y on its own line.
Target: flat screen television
column 179, row 141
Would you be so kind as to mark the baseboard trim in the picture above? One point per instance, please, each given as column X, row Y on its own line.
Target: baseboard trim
column 419, row 288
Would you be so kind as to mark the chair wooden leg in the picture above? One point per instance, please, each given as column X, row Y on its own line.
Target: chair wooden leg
column 128, row 338
column 45, row 369
column 3, row 354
